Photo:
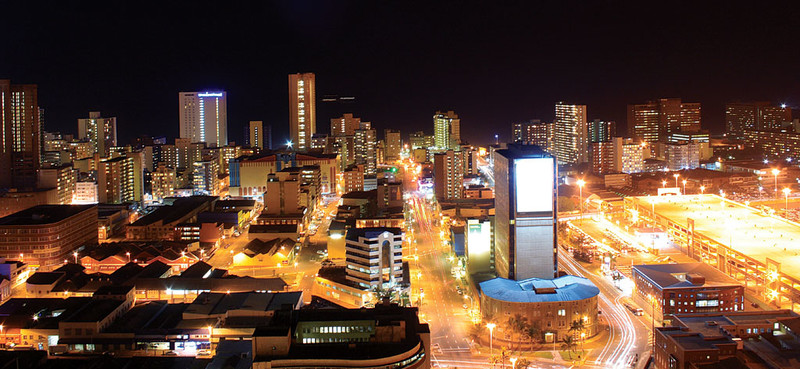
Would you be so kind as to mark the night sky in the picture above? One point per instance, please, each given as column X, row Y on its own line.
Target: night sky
column 492, row 64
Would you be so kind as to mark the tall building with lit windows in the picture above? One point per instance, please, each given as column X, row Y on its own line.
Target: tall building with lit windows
column 525, row 213
column 116, row 180
column 448, row 173
column 628, row 155
column 655, row 120
column 256, row 134
column 204, row 117
column 394, row 144
column 364, row 149
column 760, row 115
column 570, row 143
column 346, row 125
column 21, row 148
column 446, row 131
column 534, row 132
column 100, row 132
column 302, row 110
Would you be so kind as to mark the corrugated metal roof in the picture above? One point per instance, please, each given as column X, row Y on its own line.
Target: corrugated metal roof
column 567, row 288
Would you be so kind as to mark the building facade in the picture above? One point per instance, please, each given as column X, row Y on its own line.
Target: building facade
column 394, row 145
column 374, row 257
column 101, row 132
column 655, row 120
column 256, row 135
column 46, row 235
column 448, row 173
column 757, row 116
column 116, row 180
column 302, row 109
column 446, row 130
column 204, row 117
column 534, row 132
column 525, row 215
column 21, row 153
column 570, row 144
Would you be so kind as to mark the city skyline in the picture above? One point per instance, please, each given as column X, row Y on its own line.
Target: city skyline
column 713, row 67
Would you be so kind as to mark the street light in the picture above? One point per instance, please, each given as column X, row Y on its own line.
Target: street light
column 75, row 254
column 664, row 183
column 513, row 361
column 786, row 192
column 684, row 187
column 676, row 175
column 775, row 173
column 581, row 183
column 491, row 336
column 702, row 189
column 128, row 254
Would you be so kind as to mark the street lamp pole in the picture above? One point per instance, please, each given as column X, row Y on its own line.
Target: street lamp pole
column 491, row 341
column 581, row 183
column 684, row 187
column 676, row 175
column 775, row 173
column 786, row 192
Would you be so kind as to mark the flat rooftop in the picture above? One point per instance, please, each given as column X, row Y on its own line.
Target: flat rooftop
column 744, row 229
column 677, row 275
column 43, row 214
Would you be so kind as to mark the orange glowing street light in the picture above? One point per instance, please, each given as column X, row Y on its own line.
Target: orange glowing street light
column 786, row 192
column 676, row 175
column 775, row 172
column 664, row 183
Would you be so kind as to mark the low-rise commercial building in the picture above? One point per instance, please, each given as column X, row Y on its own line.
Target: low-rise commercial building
column 551, row 304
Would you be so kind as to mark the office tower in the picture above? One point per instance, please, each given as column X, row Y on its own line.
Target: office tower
column 760, row 115
column 163, row 182
column 62, row 178
column 187, row 153
column 256, row 134
column 655, row 120
column 364, row 148
column 20, row 157
column 525, row 216
column 204, row 117
column 446, row 131
column 569, row 134
column 628, row 155
column 101, row 132
column 448, row 175
column 702, row 139
column 419, row 140
column 684, row 155
column 115, row 180
column 469, row 159
column 205, row 177
column 302, row 110
column 534, row 132
column 319, row 141
column 393, row 144
column 602, row 157
column 601, row 130
column 374, row 257
column 346, row 125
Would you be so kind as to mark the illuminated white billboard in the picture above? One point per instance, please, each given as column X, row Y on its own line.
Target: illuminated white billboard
column 534, row 184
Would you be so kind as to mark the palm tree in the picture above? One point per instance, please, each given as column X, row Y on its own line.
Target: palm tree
column 522, row 363
column 533, row 333
column 476, row 331
column 568, row 344
column 382, row 294
column 516, row 325
column 577, row 326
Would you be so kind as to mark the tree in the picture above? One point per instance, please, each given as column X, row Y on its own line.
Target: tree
column 476, row 331
column 522, row 363
column 568, row 344
column 380, row 294
column 533, row 333
column 566, row 204
column 516, row 325
column 577, row 327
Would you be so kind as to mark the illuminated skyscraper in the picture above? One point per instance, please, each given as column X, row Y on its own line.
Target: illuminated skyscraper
column 569, row 134
column 763, row 116
column 256, row 134
column 302, row 110
column 101, row 132
column 534, row 132
column 394, row 144
column 204, row 117
column 601, row 130
column 346, row 125
column 21, row 139
column 116, row 180
column 448, row 173
column 655, row 120
column 364, row 150
column 446, row 131
column 525, row 217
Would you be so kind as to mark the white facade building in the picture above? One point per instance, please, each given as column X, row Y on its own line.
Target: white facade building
column 204, row 117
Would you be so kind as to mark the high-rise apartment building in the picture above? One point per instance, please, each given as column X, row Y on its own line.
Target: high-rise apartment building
column 163, row 182
column 628, row 155
column 364, row 148
column 62, row 178
column 570, row 144
column 601, row 130
column 101, row 132
column 115, row 180
column 393, row 146
column 760, row 115
column 446, row 131
column 602, row 157
column 283, row 193
column 256, row 134
column 448, row 175
column 534, row 132
column 21, row 139
column 526, row 214
column 655, row 120
column 374, row 257
column 684, row 155
column 205, row 177
column 346, row 125
column 204, row 117
column 302, row 109
column 419, row 140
